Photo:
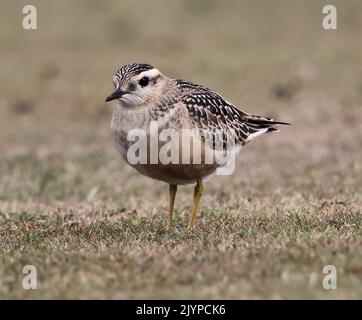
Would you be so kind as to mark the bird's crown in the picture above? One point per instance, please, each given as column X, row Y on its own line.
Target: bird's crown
column 130, row 70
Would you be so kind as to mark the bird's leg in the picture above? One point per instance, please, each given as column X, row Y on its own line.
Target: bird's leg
column 173, row 190
column 199, row 190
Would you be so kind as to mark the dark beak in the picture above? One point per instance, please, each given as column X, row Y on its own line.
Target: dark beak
column 115, row 95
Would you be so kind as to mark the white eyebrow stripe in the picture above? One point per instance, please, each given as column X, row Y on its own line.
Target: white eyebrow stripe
column 152, row 73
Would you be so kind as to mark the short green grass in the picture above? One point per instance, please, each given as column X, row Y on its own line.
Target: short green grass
column 94, row 228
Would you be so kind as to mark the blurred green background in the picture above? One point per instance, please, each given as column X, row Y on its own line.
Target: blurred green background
column 270, row 58
column 297, row 193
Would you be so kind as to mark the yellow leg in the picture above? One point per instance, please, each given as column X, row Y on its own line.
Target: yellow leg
column 173, row 190
column 199, row 190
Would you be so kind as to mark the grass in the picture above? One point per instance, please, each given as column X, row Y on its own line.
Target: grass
column 105, row 253
column 93, row 227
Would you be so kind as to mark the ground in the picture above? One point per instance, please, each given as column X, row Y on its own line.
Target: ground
column 94, row 228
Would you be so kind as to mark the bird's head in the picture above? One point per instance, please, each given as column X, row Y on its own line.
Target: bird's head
column 136, row 84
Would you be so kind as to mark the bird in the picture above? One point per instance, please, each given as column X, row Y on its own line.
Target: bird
column 146, row 96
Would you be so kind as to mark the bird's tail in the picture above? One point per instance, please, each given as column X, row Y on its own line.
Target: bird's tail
column 259, row 125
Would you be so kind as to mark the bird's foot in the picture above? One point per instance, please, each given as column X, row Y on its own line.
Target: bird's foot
column 168, row 226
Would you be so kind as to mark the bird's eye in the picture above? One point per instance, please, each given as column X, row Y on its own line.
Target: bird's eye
column 144, row 81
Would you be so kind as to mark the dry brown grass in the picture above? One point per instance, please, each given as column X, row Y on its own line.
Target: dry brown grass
column 93, row 226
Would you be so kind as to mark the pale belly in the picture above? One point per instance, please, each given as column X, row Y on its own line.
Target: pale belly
column 177, row 174
column 194, row 160
column 184, row 169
